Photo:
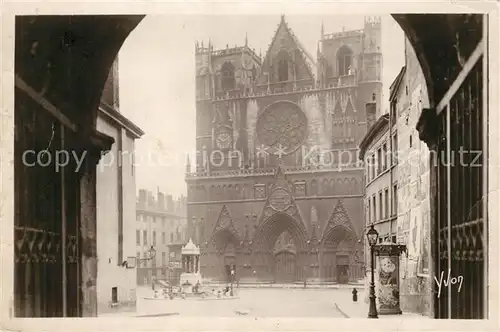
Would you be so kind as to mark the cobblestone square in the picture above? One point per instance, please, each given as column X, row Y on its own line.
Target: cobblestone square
column 254, row 302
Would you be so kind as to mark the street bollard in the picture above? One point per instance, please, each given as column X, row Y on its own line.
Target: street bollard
column 355, row 295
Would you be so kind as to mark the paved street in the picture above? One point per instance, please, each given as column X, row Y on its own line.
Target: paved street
column 260, row 302
column 250, row 302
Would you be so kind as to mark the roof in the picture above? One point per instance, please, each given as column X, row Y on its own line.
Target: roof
column 378, row 127
column 394, row 88
column 307, row 56
column 190, row 248
column 119, row 119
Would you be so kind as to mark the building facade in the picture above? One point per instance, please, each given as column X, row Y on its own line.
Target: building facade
column 115, row 180
column 160, row 223
column 414, row 221
column 397, row 197
column 277, row 188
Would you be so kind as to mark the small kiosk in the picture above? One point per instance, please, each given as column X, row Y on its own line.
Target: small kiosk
column 387, row 277
column 190, row 266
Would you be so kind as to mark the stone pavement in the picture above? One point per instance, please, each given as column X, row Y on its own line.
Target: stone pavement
column 350, row 309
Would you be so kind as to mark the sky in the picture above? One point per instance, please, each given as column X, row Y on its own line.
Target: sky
column 157, row 78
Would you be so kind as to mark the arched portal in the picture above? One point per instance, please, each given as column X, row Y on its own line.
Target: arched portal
column 337, row 256
column 280, row 248
column 224, row 248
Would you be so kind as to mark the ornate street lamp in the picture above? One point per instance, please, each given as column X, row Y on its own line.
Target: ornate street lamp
column 372, row 236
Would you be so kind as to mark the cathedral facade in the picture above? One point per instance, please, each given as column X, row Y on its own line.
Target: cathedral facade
column 276, row 190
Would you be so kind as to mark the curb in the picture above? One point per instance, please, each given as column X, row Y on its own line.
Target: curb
column 341, row 311
column 159, row 315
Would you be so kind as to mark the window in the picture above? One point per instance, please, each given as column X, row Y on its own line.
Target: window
column 163, row 238
column 373, row 166
column 367, row 170
column 138, row 257
column 154, row 238
column 379, row 161
column 228, row 80
column 411, row 141
column 144, row 257
column 171, row 237
column 395, row 148
column 374, row 208
column 385, row 155
column 386, row 208
column 164, row 259
column 369, row 215
column 344, row 61
column 283, row 70
column 394, row 239
column 380, row 210
column 395, row 199
column 145, row 237
column 138, row 237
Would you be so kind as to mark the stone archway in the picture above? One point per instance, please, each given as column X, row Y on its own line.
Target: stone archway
column 224, row 249
column 272, row 257
column 338, row 248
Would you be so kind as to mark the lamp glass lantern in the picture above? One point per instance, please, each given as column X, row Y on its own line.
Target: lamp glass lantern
column 372, row 236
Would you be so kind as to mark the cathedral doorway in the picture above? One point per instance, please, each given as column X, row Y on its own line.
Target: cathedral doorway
column 229, row 261
column 338, row 246
column 342, row 269
column 284, row 254
column 224, row 249
column 280, row 240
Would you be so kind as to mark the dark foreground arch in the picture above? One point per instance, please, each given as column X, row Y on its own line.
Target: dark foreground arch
column 61, row 64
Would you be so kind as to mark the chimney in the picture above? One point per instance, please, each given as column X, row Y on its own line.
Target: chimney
column 142, row 197
column 161, row 200
column 371, row 114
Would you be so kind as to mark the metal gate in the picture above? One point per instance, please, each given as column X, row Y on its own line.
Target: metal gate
column 461, row 187
column 47, row 207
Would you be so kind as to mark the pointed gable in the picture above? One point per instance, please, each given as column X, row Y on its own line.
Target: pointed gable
column 339, row 218
column 285, row 45
column 225, row 222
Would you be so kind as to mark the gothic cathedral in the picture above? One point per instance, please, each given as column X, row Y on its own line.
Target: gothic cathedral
column 276, row 190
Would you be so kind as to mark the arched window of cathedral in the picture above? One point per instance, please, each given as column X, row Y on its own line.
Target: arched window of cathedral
column 228, row 81
column 224, row 192
column 314, row 188
column 344, row 61
column 237, row 193
column 332, row 186
column 283, row 61
column 325, row 187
